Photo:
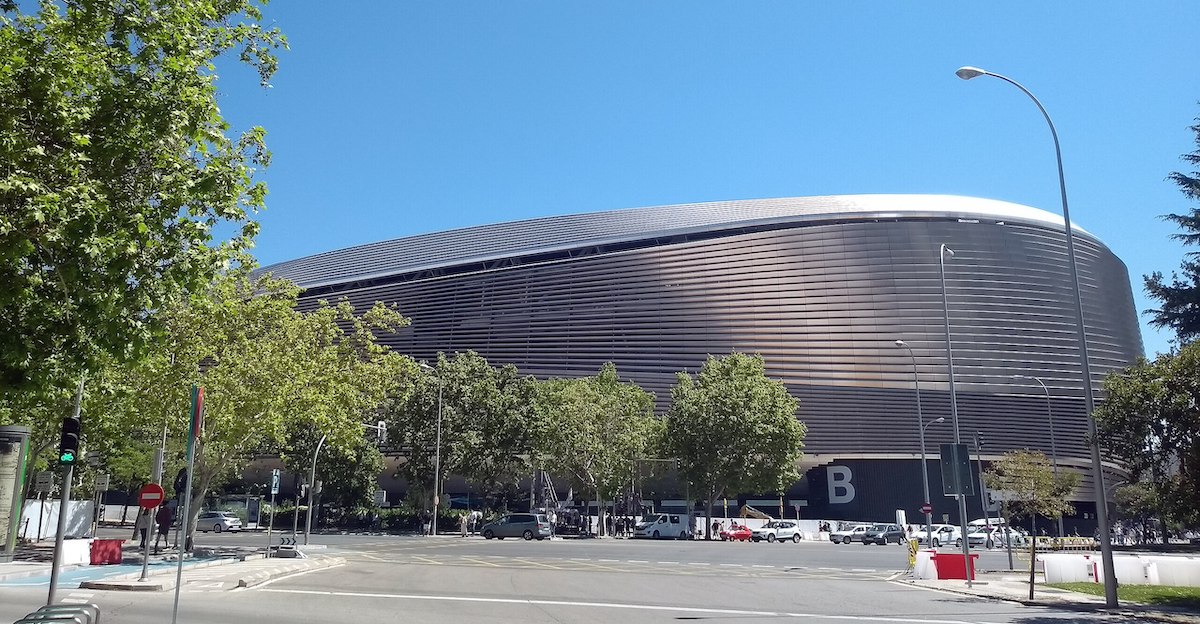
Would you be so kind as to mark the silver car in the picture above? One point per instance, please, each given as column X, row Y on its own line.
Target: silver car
column 217, row 521
column 525, row 525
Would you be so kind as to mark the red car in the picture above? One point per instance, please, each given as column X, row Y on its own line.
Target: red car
column 736, row 533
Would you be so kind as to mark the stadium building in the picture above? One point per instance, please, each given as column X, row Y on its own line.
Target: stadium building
column 822, row 287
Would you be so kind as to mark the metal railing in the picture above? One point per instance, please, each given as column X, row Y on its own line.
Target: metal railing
column 55, row 613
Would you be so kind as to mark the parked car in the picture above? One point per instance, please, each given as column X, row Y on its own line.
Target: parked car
column 853, row 534
column 524, row 525
column 943, row 535
column 217, row 521
column 777, row 530
column 995, row 536
column 736, row 533
column 883, row 534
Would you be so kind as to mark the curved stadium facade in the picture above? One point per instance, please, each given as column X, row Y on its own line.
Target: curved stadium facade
column 822, row 287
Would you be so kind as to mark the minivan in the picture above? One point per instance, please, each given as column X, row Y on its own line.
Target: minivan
column 525, row 525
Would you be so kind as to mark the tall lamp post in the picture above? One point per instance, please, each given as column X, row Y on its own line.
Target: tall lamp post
column 1053, row 448
column 921, row 428
column 944, row 251
column 1110, row 576
column 437, row 450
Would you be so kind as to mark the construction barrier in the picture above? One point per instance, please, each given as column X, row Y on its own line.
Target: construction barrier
column 1064, row 544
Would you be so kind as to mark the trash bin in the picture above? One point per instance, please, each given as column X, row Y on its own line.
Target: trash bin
column 106, row 551
column 950, row 566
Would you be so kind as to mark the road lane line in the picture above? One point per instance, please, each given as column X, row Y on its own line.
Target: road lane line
column 486, row 563
column 427, row 560
column 731, row 565
column 612, row 605
column 635, row 561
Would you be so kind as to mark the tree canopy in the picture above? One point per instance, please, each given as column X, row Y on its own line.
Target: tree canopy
column 266, row 367
column 733, row 429
column 1027, row 477
column 593, row 428
column 1179, row 298
column 486, row 421
column 116, row 169
column 1151, row 422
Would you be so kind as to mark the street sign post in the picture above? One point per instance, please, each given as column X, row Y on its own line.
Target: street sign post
column 956, row 458
column 380, row 497
column 43, row 482
column 274, row 482
column 102, row 482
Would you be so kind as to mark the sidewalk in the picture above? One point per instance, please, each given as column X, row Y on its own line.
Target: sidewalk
column 246, row 569
column 1014, row 587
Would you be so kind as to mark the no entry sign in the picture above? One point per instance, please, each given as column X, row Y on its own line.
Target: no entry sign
column 150, row 496
column 926, row 508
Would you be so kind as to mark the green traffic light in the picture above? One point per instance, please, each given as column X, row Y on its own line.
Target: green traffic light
column 66, row 458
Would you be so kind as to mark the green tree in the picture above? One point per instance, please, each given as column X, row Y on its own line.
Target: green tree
column 265, row 367
column 1180, row 297
column 1139, row 501
column 733, row 429
column 1151, row 422
column 116, row 169
column 593, row 428
column 487, row 424
column 1032, row 489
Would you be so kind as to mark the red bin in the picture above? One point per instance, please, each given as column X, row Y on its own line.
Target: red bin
column 950, row 566
column 106, row 551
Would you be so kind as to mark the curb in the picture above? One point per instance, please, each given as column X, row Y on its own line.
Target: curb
column 262, row 576
column 112, row 582
column 1084, row 606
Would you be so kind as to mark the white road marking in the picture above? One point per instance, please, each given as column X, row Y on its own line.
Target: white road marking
column 609, row 560
column 763, row 566
column 635, row 561
column 732, row 565
column 668, row 562
column 612, row 605
column 697, row 563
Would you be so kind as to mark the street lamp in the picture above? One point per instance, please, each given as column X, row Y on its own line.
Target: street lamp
column 1053, row 448
column 921, row 428
column 1110, row 576
column 437, row 449
column 944, row 251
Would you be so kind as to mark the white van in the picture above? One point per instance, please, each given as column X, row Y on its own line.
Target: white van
column 664, row 526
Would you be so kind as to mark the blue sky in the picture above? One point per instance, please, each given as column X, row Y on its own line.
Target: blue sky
column 388, row 119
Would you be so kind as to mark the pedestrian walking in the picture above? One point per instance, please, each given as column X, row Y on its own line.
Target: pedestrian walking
column 141, row 528
column 163, row 518
column 426, row 522
column 462, row 524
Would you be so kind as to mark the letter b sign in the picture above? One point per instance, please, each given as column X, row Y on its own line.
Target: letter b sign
column 841, row 490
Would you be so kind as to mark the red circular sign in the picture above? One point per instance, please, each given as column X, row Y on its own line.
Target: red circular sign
column 150, row 496
column 926, row 508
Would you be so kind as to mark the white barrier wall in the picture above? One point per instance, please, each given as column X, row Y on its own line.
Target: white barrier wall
column 1130, row 569
column 79, row 519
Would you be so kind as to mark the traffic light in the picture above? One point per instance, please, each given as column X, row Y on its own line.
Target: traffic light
column 978, row 440
column 68, row 445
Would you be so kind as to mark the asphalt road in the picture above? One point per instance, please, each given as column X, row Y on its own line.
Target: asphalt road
column 413, row 579
column 808, row 553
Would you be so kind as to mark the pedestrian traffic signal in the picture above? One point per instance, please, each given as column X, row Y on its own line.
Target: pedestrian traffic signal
column 978, row 440
column 68, row 445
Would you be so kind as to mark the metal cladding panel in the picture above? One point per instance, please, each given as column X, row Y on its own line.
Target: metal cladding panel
column 534, row 236
column 823, row 302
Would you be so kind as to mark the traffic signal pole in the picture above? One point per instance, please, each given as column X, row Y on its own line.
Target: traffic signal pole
column 64, row 502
